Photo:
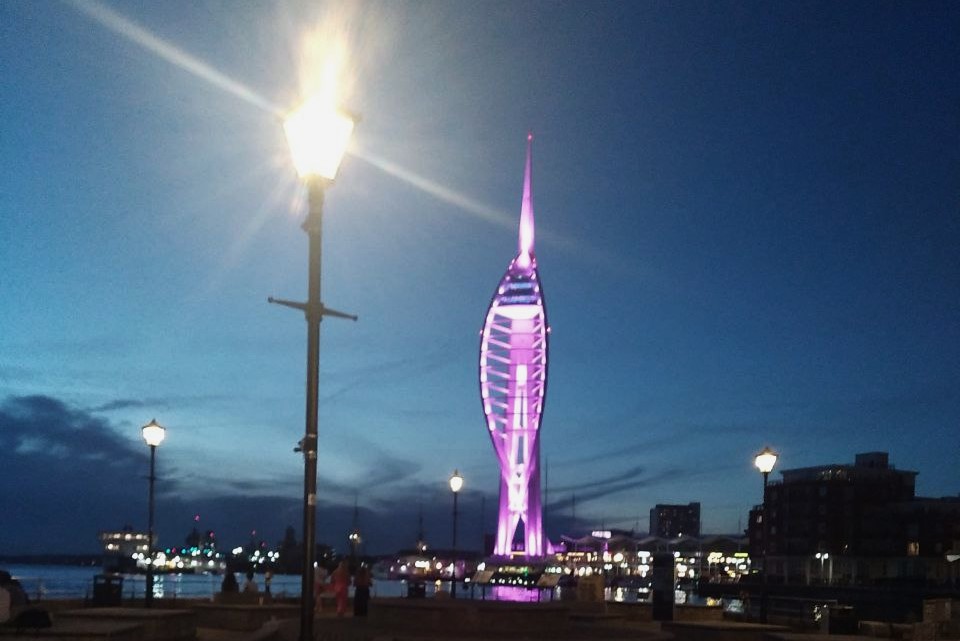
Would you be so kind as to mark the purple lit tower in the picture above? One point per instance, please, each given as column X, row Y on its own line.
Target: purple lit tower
column 513, row 384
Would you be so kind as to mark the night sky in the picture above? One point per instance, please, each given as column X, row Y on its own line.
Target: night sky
column 747, row 232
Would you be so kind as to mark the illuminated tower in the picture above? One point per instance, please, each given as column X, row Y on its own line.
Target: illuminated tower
column 513, row 384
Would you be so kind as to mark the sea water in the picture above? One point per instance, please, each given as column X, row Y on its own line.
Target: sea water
column 43, row 582
column 76, row 582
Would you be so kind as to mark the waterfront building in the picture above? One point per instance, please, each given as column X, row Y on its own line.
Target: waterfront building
column 622, row 557
column 618, row 559
column 859, row 523
column 122, row 547
column 671, row 521
column 513, row 385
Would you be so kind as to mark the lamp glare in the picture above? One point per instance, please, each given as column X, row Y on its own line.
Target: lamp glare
column 765, row 460
column 318, row 135
column 153, row 433
column 456, row 481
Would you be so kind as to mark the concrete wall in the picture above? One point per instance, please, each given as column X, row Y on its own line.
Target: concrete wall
column 644, row 612
column 454, row 617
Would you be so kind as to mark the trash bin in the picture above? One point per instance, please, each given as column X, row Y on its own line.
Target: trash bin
column 416, row 590
column 107, row 590
column 842, row 620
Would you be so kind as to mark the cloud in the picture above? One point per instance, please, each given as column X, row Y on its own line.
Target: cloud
column 628, row 475
column 605, row 488
column 381, row 469
column 72, row 474
column 41, row 427
column 382, row 373
column 670, row 436
column 122, row 404
column 68, row 475
column 630, row 479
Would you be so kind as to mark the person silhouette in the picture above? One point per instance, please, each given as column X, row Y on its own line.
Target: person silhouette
column 341, row 585
column 250, row 585
column 361, row 591
column 229, row 584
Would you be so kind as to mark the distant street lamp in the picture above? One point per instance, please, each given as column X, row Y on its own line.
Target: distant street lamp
column 765, row 461
column 318, row 134
column 355, row 540
column 456, row 482
column 823, row 556
column 153, row 434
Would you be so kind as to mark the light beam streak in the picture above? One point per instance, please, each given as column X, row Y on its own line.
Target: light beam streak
column 435, row 189
column 138, row 35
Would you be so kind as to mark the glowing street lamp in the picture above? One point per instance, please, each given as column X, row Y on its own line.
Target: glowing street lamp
column 153, row 434
column 823, row 556
column 764, row 461
column 456, row 484
column 318, row 135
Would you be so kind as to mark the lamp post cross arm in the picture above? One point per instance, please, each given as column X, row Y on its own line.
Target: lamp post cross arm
column 305, row 308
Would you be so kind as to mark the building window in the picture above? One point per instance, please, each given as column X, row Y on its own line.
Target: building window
column 913, row 548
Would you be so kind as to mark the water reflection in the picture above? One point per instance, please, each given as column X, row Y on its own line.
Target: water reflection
column 517, row 594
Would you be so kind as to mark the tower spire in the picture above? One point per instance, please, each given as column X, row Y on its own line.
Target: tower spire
column 525, row 255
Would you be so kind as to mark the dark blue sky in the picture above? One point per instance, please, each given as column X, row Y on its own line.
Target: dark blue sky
column 747, row 230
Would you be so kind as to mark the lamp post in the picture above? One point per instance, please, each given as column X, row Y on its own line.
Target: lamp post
column 153, row 434
column 318, row 134
column 456, row 482
column 765, row 461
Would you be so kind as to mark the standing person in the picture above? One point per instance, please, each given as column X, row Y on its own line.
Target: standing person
column 361, row 591
column 229, row 585
column 341, row 585
column 267, row 578
column 250, row 586
column 319, row 587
